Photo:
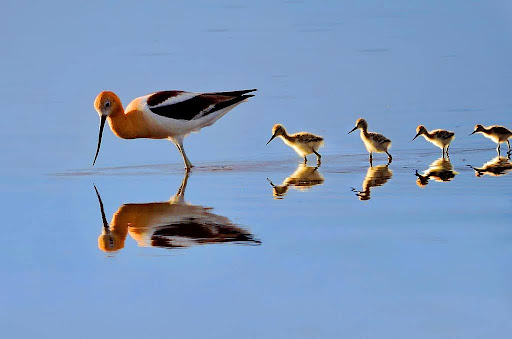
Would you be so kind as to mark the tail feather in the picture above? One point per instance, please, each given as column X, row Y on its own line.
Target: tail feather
column 233, row 93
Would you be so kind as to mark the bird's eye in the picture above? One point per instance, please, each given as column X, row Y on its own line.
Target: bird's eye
column 107, row 104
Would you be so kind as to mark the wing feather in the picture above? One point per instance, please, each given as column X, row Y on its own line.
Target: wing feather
column 182, row 105
column 379, row 138
column 308, row 137
column 444, row 134
column 500, row 130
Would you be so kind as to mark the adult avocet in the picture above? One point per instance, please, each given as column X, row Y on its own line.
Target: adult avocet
column 496, row 133
column 374, row 142
column 169, row 224
column 165, row 115
column 303, row 143
column 439, row 137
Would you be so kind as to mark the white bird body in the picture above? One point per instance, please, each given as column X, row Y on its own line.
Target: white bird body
column 165, row 115
column 374, row 142
column 303, row 143
column 496, row 137
column 167, row 127
column 496, row 133
column 439, row 137
column 303, row 148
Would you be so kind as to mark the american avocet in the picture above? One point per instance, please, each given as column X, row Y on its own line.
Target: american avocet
column 165, row 115
column 441, row 170
column 374, row 142
column 303, row 143
column 494, row 167
column 302, row 179
column 375, row 176
column 496, row 133
column 169, row 224
column 439, row 137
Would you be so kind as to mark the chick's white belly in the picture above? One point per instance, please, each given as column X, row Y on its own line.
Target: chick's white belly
column 441, row 143
column 374, row 146
column 493, row 137
column 304, row 149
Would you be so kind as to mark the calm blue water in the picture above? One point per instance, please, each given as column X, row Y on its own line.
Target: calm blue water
column 344, row 250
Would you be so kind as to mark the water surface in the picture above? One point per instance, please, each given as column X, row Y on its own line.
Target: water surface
column 417, row 248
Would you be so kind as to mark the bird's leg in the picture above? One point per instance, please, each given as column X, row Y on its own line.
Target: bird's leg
column 318, row 158
column 443, row 152
column 390, row 158
column 447, row 149
column 188, row 164
column 305, row 160
column 508, row 143
column 183, row 187
column 371, row 159
column 498, row 149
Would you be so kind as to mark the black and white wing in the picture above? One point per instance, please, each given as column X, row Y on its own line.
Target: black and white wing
column 181, row 105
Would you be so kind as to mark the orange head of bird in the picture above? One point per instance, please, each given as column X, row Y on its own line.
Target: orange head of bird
column 108, row 241
column 106, row 104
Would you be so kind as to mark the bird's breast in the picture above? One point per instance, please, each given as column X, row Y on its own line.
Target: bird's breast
column 136, row 124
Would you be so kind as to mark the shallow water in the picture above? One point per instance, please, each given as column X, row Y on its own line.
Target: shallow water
column 256, row 244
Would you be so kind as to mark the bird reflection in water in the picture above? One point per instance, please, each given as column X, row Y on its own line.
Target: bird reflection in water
column 441, row 170
column 302, row 179
column 375, row 176
column 494, row 167
column 170, row 224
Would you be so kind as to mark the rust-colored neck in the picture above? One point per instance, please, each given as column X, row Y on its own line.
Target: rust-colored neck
column 121, row 125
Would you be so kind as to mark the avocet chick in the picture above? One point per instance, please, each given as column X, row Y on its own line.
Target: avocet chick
column 302, row 179
column 496, row 133
column 374, row 142
column 439, row 137
column 441, row 170
column 495, row 167
column 303, row 143
column 375, row 176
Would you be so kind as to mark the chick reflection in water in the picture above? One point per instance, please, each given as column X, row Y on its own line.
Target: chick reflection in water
column 302, row 179
column 375, row 176
column 170, row 224
column 494, row 167
column 441, row 170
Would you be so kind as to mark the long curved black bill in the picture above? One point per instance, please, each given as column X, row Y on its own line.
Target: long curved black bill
column 415, row 137
column 105, row 222
column 352, row 130
column 102, row 124
column 473, row 133
column 271, row 139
